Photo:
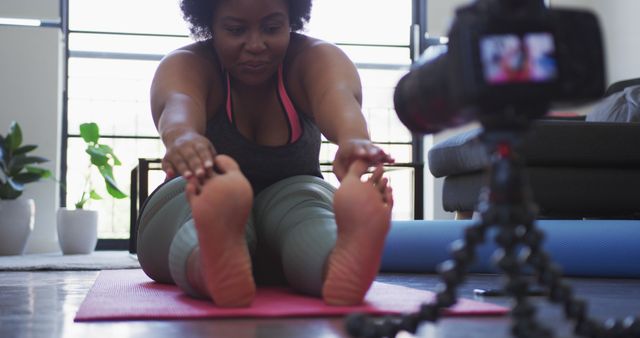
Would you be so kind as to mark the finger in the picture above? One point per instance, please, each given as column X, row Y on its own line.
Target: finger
column 209, row 162
column 375, row 155
column 374, row 151
column 176, row 161
column 377, row 175
column 187, row 162
column 192, row 158
column 208, row 168
column 382, row 157
column 388, row 159
column 358, row 168
column 168, row 169
column 191, row 189
column 183, row 168
column 204, row 152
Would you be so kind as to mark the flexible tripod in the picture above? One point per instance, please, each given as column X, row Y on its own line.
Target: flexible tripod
column 506, row 203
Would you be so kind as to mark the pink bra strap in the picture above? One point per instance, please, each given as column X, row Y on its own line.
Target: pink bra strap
column 290, row 109
column 292, row 114
column 229, row 112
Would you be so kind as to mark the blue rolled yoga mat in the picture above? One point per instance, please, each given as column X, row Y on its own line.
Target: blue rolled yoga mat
column 583, row 248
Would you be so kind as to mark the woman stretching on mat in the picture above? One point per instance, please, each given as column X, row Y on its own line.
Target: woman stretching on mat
column 241, row 114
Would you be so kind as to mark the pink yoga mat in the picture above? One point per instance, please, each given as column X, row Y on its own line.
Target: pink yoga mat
column 131, row 295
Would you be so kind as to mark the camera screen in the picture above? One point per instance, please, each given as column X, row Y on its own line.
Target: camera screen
column 511, row 58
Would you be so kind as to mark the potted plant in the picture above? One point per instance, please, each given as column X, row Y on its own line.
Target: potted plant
column 78, row 228
column 17, row 169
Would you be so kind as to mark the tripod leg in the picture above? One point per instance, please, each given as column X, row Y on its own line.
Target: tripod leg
column 549, row 275
column 523, row 313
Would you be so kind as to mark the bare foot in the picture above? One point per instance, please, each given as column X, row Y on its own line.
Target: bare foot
column 220, row 207
column 363, row 215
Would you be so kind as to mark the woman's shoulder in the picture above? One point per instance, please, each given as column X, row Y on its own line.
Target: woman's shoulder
column 308, row 55
column 196, row 55
column 308, row 59
column 195, row 68
column 306, row 48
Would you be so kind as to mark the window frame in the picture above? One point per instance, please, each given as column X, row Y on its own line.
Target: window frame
column 416, row 47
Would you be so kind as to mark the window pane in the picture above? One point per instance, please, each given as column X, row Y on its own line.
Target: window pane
column 378, row 86
column 127, row 16
column 114, row 214
column 110, row 76
column 376, row 22
column 113, row 43
column 112, row 93
column 394, row 56
column 402, row 180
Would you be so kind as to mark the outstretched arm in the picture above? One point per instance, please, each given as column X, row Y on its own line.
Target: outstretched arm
column 335, row 95
column 179, row 94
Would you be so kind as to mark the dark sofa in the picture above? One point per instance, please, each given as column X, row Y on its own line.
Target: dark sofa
column 578, row 168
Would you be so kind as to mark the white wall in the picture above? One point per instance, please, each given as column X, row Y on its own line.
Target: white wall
column 30, row 9
column 30, row 93
column 619, row 19
column 622, row 42
column 440, row 14
column 620, row 31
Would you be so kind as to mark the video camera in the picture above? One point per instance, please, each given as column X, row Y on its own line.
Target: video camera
column 505, row 60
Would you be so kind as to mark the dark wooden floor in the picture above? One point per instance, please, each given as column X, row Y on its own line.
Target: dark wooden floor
column 43, row 304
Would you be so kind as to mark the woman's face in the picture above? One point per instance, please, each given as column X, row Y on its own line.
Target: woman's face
column 251, row 37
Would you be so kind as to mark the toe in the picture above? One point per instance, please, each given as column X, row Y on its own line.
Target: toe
column 224, row 164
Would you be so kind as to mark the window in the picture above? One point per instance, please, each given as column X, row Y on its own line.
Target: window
column 115, row 46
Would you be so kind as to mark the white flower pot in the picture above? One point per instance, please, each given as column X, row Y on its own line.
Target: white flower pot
column 16, row 224
column 77, row 231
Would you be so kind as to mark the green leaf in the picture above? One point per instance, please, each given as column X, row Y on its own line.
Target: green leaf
column 44, row 173
column 90, row 132
column 17, row 186
column 80, row 204
column 24, row 160
column 14, row 137
column 109, row 152
column 24, row 178
column 17, row 163
column 98, row 157
column 112, row 187
column 115, row 192
column 94, row 195
column 8, row 193
column 24, row 149
column 2, row 148
column 105, row 148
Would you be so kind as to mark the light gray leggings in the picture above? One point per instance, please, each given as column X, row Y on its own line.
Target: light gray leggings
column 290, row 233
